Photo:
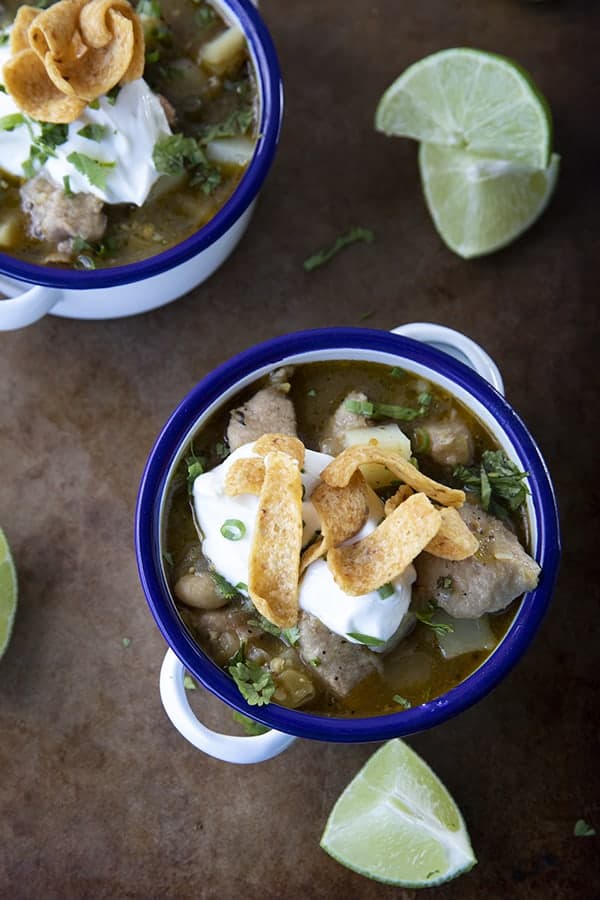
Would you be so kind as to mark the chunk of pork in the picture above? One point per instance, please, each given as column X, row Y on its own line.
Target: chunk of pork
column 58, row 217
column 270, row 410
column 341, row 664
column 486, row 582
column 451, row 443
column 339, row 423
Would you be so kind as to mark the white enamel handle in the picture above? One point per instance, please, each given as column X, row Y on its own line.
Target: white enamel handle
column 222, row 746
column 457, row 345
column 21, row 309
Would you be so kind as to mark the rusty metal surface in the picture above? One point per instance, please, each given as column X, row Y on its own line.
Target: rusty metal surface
column 100, row 797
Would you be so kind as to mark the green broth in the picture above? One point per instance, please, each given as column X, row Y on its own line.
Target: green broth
column 201, row 102
column 415, row 669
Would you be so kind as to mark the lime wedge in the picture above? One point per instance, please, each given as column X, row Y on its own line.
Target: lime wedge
column 8, row 593
column 397, row 823
column 473, row 101
column 480, row 205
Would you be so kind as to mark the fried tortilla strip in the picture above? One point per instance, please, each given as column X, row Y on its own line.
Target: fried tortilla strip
column 454, row 540
column 19, row 39
column 386, row 552
column 244, row 476
column 98, row 27
column 339, row 472
column 286, row 443
column 26, row 80
column 99, row 69
column 402, row 494
column 342, row 511
column 313, row 552
column 274, row 565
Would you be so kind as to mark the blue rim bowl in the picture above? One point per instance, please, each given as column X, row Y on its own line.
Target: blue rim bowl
column 347, row 343
column 268, row 74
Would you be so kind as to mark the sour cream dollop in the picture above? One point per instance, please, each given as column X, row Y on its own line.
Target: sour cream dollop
column 370, row 615
column 130, row 129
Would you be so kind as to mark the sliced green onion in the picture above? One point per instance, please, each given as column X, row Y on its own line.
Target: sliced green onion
column 397, row 372
column 384, row 410
column 402, row 701
column 366, row 639
column 386, row 590
column 421, row 440
column 233, row 529
column 242, row 586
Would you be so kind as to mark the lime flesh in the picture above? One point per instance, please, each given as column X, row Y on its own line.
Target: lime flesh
column 480, row 205
column 397, row 823
column 471, row 100
column 8, row 593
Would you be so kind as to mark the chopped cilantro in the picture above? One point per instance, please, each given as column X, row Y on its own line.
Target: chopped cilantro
column 582, row 829
column 425, row 616
column 195, row 466
column 189, row 683
column 4, row 39
column 497, row 480
column 94, row 104
column 237, row 122
column 242, row 587
column 402, row 701
column 112, row 95
column 445, row 582
column 175, row 154
column 224, row 588
column 421, row 442
column 222, row 450
column 67, row 186
column 311, row 393
column 316, row 662
column 366, row 639
column 291, row 635
column 12, row 121
column 98, row 249
column 389, row 410
column 249, row 725
column 93, row 132
column 397, row 372
column 126, row 641
column 386, row 590
column 254, row 683
column 95, row 170
column 263, row 623
column 350, row 237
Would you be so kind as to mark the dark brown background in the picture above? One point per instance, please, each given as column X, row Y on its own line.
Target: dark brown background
column 100, row 796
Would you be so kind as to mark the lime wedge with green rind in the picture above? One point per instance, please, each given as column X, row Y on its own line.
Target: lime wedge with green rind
column 397, row 823
column 8, row 593
column 471, row 100
column 480, row 205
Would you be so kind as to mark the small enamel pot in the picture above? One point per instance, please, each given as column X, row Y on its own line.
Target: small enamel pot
column 34, row 290
column 442, row 356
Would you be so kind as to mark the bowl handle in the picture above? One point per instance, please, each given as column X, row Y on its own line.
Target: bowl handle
column 23, row 309
column 222, row 746
column 457, row 345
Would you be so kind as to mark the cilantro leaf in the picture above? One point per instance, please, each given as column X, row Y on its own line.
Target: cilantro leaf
column 12, row 121
column 350, row 237
column 254, row 683
column 249, row 725
column 175, row 154
column 95, row 170
column 224, row 588
column 497, row 480
column 93, row 132
column 195, row 466
column 582, row 829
